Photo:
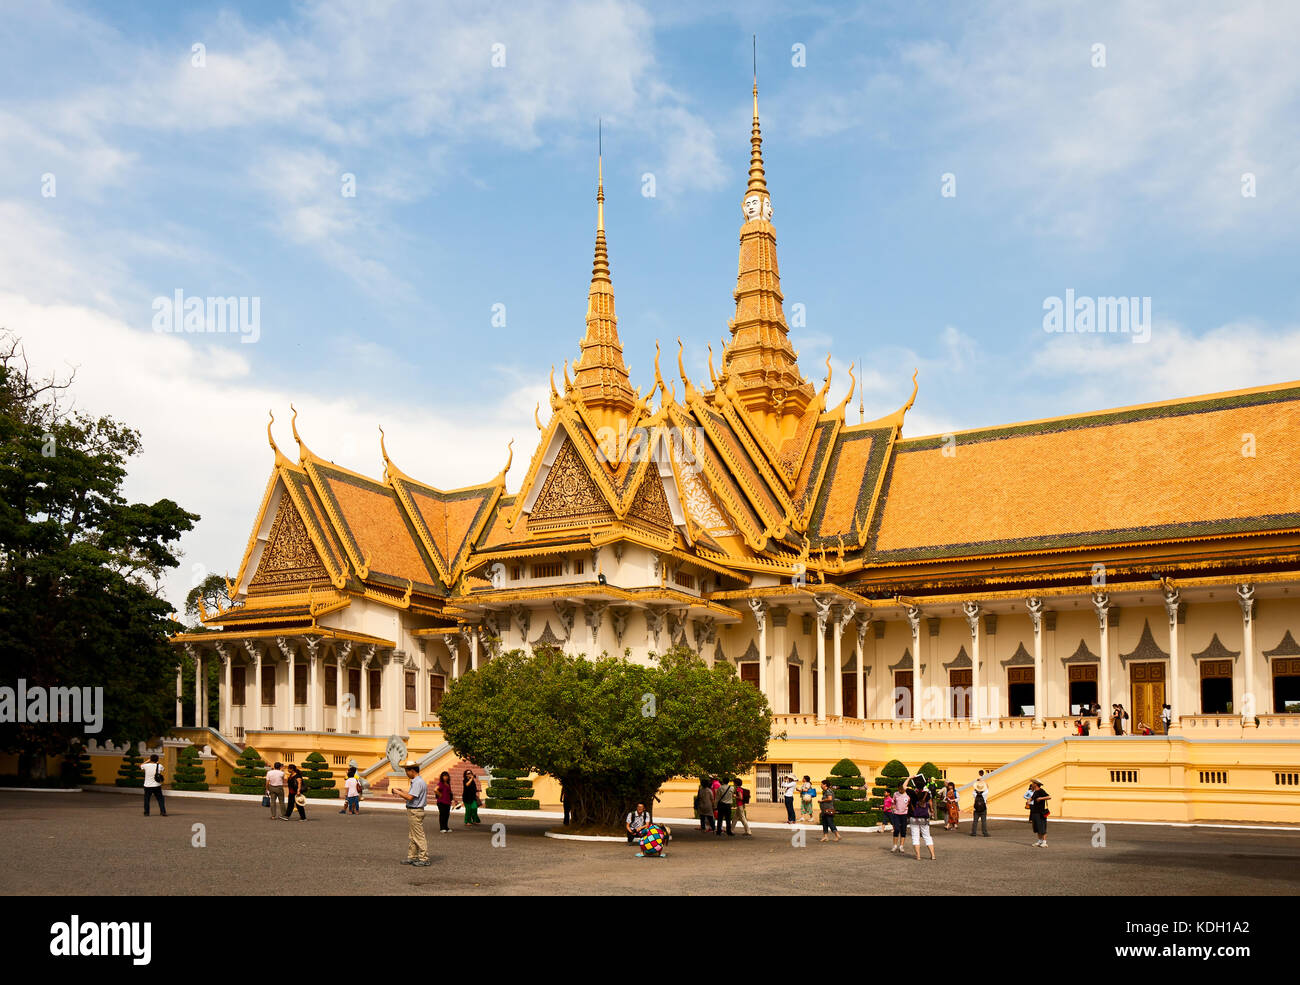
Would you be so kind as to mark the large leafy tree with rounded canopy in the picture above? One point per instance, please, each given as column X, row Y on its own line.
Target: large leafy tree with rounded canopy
column 612, row 732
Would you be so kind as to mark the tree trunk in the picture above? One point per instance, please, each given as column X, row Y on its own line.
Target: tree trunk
column 597, row 804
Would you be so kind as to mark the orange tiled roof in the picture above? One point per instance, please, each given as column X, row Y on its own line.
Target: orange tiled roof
column 1157, row 472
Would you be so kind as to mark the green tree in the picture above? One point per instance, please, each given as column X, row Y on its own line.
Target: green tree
column 80, row 567
column 320, row 778
column 250, row 773
column 612, row 732
column 190, row 774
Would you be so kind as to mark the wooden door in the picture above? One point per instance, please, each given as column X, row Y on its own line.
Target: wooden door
column 903, row 694
column 749, row 673
column 850, row 694
column 794, row 689
column 1148, row 682
column 959, row 685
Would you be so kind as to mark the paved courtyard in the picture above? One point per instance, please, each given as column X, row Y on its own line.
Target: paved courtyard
column 99, row 843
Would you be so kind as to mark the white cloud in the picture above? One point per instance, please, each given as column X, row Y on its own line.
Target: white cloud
column 202, row 417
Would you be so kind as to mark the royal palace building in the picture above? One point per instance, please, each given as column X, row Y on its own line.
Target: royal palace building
column 963, row 599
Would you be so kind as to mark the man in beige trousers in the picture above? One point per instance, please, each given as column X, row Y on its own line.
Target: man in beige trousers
column 417, row 851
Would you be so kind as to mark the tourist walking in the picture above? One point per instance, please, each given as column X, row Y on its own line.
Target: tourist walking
column 827, row 805
column 919, row 821
column 445, row 798
column 806, row 793
column 636, row 823
column 1038, row 812
column 275, row 790
column 901, row 805
column 1118, row 717
column 352, row 793
column 1166, row 718
column 153, row 785
column 469, row 797
column 726, row 798
column 952, row 805
column 704, row 804
column 417, row 849
column 788, row 787
column 742, row 802
column 297, row 791
column 980, row 805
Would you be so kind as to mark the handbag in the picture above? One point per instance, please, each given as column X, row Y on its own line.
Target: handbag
column 266, row 800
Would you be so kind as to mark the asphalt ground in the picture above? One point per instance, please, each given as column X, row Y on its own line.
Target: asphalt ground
column 101, row 844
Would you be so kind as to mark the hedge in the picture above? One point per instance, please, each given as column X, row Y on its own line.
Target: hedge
column 513, row 805
column 190, row 774
column 511, row 790
column 319, row 777
column 892, row 776
column 848, row 789
column 250, row 773
column 129, row 774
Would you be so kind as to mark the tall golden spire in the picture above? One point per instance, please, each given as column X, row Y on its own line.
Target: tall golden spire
column 760, row 363
column 600, row 378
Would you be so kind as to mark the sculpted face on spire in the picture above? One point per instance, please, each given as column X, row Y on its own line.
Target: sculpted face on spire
column 760, row 367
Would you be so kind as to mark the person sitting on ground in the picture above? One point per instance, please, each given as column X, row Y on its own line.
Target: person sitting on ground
column 636, row 823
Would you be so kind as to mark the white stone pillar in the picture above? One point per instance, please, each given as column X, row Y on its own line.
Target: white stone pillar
column 914, row 621
column 1175, row 659
column 293, row 692
column 473, row 649
column 837, row 702
column 198, row 688
column 454, row 650
column 340, row 671
column 225, row 700
column 1035, row 606
column 861, row 635
column 972, row 612
column 256, row 656
column 1101, row 602
column 365, row 691
column 314, row 689
column 1249, row 702
column 759, row 607
column 823, row 615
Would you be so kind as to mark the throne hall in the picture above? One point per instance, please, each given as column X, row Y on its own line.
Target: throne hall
column 962, row 599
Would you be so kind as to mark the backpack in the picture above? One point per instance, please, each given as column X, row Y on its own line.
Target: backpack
column 979, row 801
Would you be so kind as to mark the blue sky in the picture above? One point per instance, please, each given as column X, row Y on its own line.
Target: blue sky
column 475, row 186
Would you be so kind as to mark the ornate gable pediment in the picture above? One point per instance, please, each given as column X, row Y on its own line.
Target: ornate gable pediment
column 1216, row 651
column 569, row 495
column 1020, row 658
column 650, row 504
column 290, row 558
column 548, row 638
column 1147, row 648
column 1081, row 655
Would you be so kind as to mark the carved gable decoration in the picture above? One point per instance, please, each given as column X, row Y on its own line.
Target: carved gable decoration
column 1216, row 651
column 961, row 660
column 1081, row 655
column 1020, row 658
column 289, row 557
column 1286, row 648
column 548, row 638
column 651, row 502
column 569, row 495
column 1146, row 649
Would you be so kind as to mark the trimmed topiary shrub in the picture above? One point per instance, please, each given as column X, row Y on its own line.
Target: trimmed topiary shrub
column 190, row 774
column 511, row 790
column 935, row 782
column 319, row 777
column 129, row 774
column 892, row 775
column 76, row 767
column 250, row 773
column 850, row 792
